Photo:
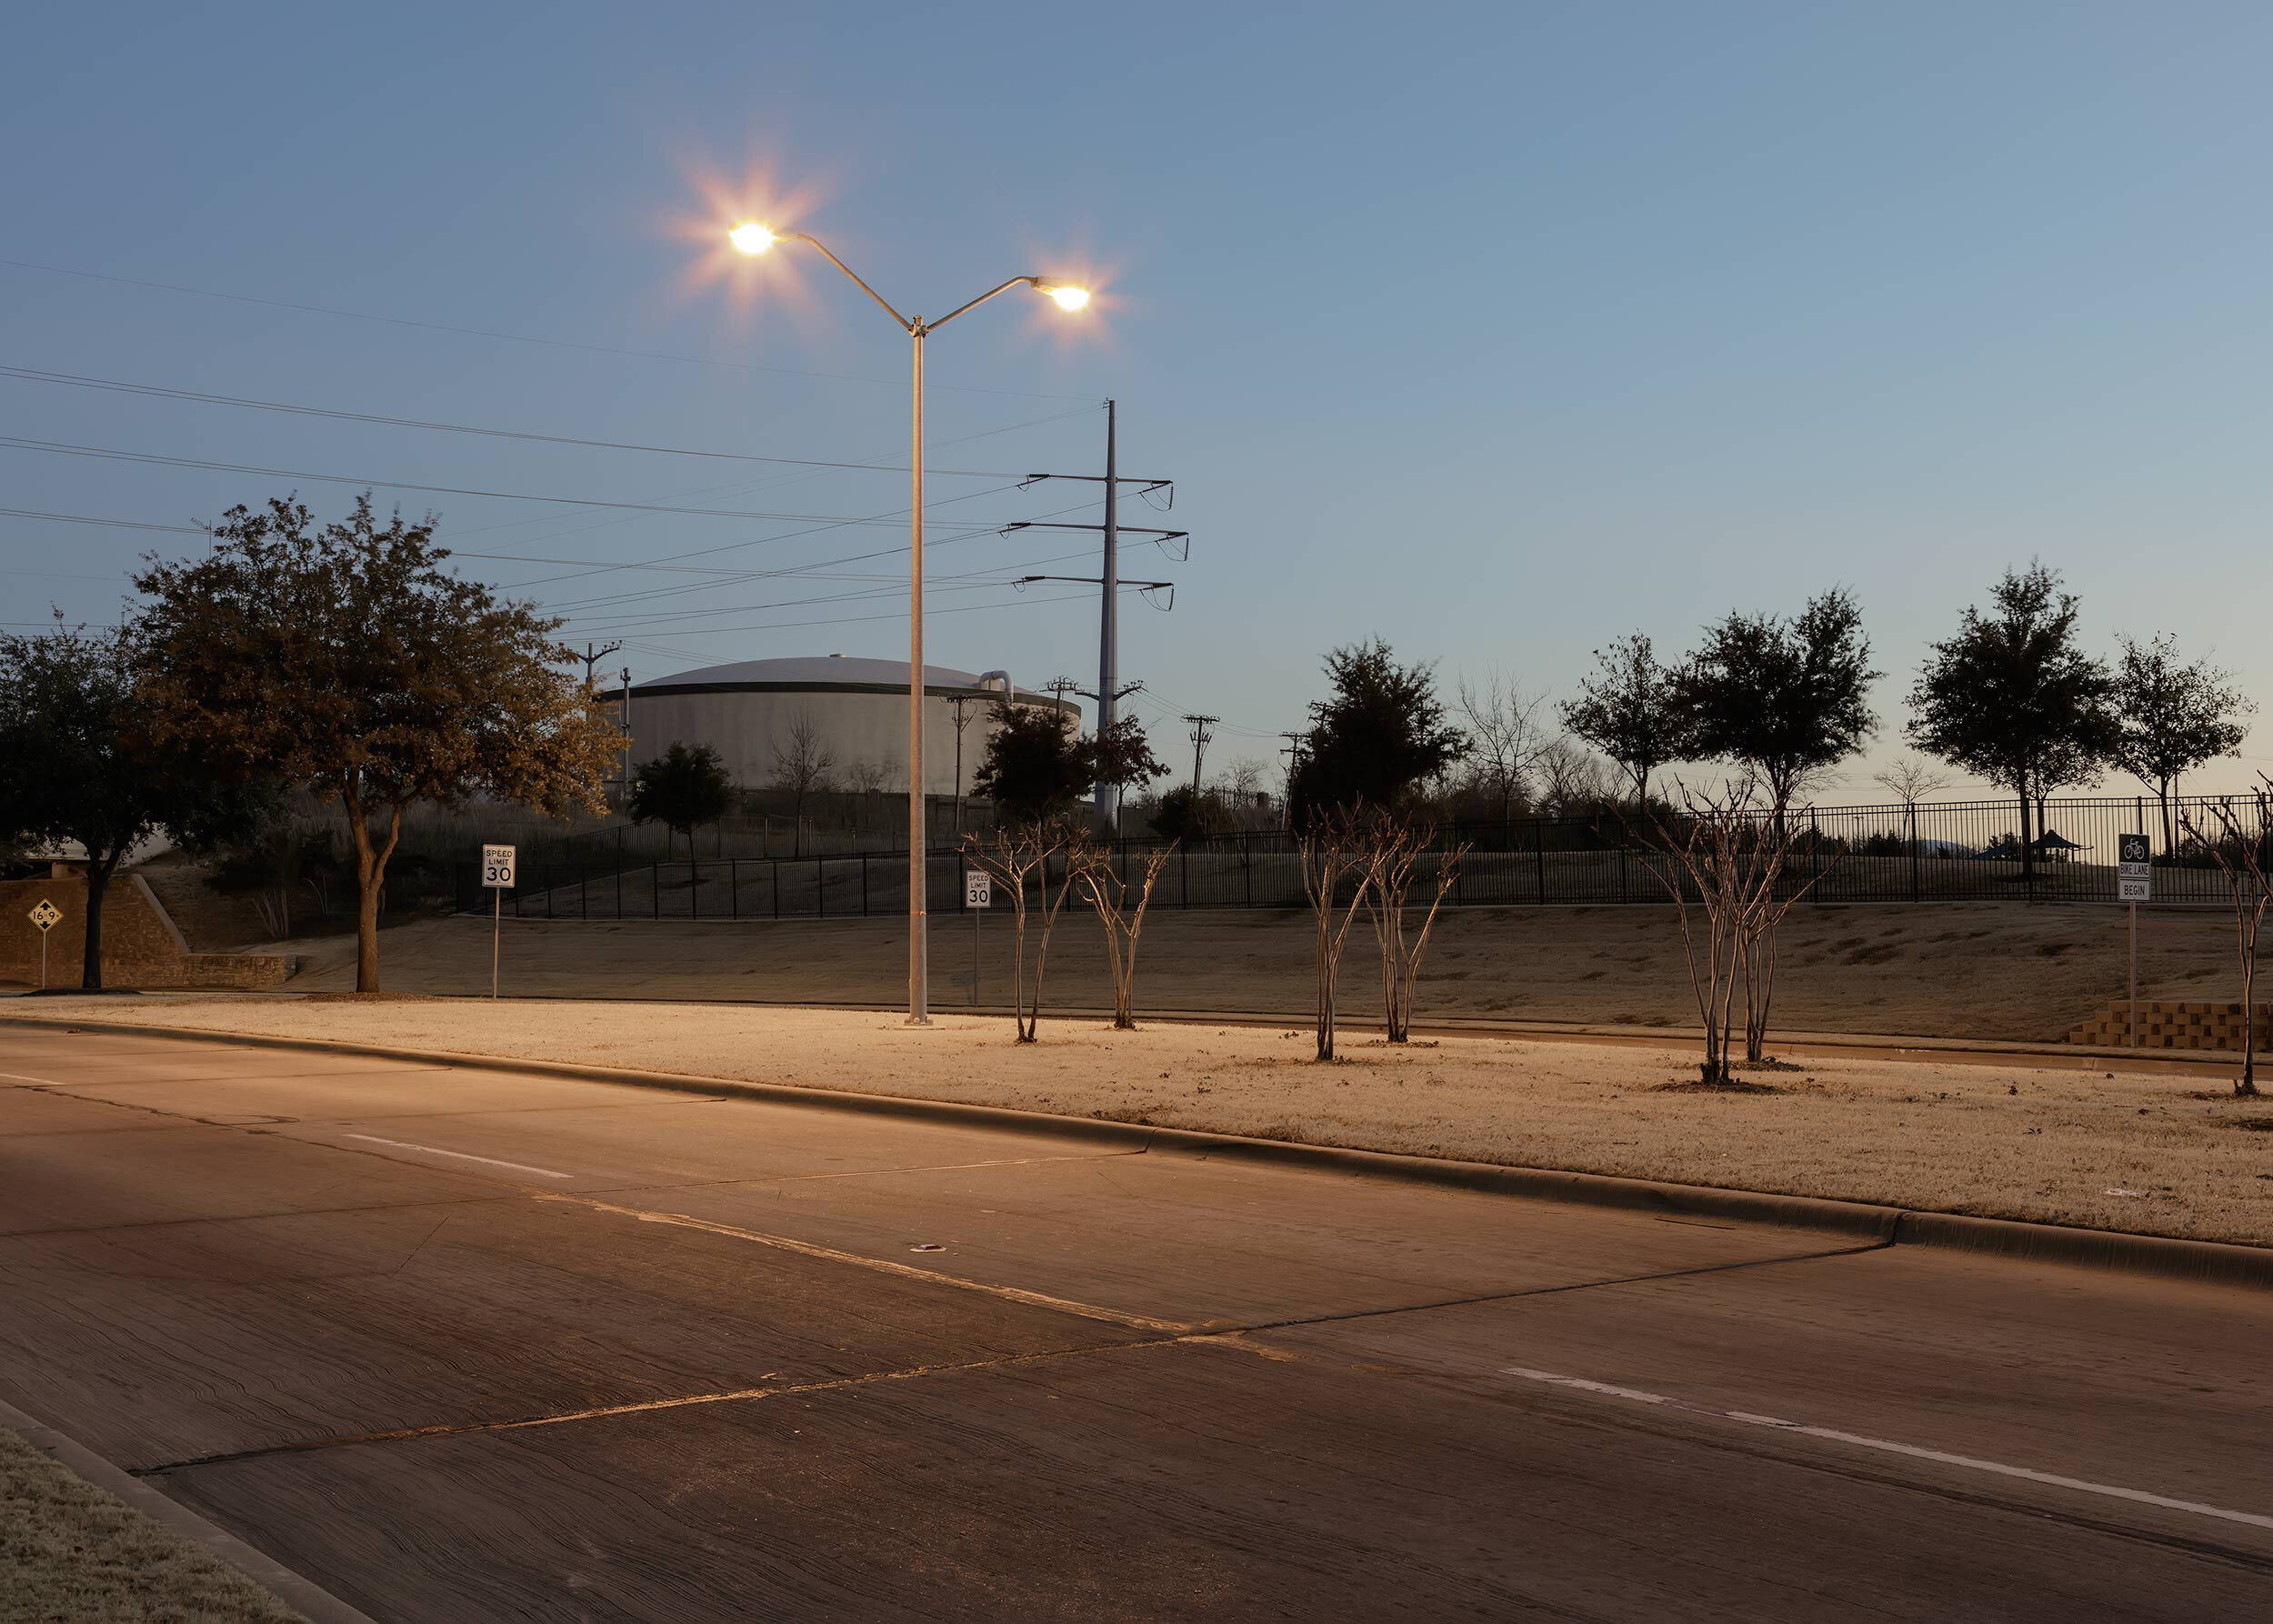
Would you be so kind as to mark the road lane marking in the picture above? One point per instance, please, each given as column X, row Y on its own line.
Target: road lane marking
column 1604, row 1389
column 17, row 1077
column 805, row 1248
column 519, row 1167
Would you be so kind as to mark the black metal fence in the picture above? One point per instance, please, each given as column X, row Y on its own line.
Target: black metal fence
column 1946, row 852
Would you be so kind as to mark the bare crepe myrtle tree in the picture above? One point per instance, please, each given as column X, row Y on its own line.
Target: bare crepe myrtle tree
column 2242, row 846
column 1333, row 852
column 1019, row 855
column 1109, row 891
column 1722, row 863
column 1772, row 837
column 1392, row 859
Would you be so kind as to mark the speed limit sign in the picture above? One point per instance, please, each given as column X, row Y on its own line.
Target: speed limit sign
column 497, row 868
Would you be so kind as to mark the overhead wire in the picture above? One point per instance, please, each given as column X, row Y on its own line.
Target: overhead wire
column 601, row 349
column 36, row 374
column 111, row 454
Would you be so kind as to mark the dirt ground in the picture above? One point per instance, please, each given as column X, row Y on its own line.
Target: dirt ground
column 2170, row 1156
column 2003, row 971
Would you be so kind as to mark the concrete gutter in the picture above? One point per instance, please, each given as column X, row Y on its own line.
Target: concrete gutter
column 304, row 1596
column 2206, row 1261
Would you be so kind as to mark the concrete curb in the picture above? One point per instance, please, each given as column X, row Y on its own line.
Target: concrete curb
column 304, row 1596
column 2206, row 1261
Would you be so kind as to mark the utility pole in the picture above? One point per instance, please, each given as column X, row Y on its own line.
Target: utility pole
column 1106, row 815
column 593, row 656
column 960, row 704
column 626, row 738
column 1293, row 752
column 1200, row 736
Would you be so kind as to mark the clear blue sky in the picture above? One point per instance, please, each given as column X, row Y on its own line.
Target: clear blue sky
column 1497, row 330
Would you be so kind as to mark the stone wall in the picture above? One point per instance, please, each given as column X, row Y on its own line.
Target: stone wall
column 2175, row 1025
column 141, row 947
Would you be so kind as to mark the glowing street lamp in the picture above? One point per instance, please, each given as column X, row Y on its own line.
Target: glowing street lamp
column 753, row 237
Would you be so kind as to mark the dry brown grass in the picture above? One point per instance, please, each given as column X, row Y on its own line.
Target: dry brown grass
column 2122, row 1151
column 70, row 1551
column 2000, row 971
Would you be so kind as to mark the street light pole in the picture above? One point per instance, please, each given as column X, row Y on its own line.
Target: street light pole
column 919, row 895
column 753, row 239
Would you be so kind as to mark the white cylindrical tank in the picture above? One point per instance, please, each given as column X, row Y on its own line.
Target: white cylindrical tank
column 855, row 709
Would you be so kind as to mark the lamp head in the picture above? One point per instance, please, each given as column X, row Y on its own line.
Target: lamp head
column 1070, row 296
column 751, row 238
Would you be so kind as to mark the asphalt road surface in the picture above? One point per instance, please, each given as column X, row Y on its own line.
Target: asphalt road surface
column 467, row 1345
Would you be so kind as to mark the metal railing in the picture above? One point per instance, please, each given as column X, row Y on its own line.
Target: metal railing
column 1964, row 851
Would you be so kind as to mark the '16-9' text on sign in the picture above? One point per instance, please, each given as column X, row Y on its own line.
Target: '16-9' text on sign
column 497, row 868
column 2134, row 873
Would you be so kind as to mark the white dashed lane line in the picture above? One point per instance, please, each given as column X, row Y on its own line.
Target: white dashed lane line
column 1603, row 1389
column 489, row 1161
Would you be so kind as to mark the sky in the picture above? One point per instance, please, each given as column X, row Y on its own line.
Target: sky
column 1496, row 331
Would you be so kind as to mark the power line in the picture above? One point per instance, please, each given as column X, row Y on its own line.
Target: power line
column 434, row 326
column 61, row 448
column 775, row 626
column 159, row 391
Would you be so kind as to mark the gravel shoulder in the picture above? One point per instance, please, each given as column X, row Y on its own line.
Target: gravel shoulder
column 2141, row 1153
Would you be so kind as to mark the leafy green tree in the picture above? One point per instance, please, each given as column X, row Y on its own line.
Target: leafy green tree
column 1788, row 698
column 2172, row 717
column 1038, row 766
column 1035, row 767
column 1176, row 815
column 77, row 764
column 1631, row 710
column 1381, row 733
column 345, row 660
column 1123, row 758
column 683, row 788
column 2012, row 697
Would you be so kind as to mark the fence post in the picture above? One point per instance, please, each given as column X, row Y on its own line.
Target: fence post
column 1815, row 856
column 1915, row 894
column 1247, row 870
column 1622, row 893
column 1538, row 853
column 655, row 889
column 694, row 884
column 864, row 885
column 820, row 887
column 773, row 883
column 734, row 887
column 619, row 881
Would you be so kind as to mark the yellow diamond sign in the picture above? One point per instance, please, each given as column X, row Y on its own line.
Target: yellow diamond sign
column 45, row 914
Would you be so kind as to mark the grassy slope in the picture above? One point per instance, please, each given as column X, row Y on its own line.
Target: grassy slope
column 69, row 1551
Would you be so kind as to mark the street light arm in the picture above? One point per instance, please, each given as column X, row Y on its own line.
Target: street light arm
column 974, row 304
column 816, row 242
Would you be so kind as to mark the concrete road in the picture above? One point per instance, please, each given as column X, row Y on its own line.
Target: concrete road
column 465, row 1345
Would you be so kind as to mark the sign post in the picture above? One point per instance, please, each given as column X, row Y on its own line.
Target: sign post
column 497, row 879
column 2134, row 884
column 979, row 896
column 45, row 915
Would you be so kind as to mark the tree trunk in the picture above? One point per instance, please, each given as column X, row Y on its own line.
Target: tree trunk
column 2169, row 841
column 370, row 879
column 98, row 881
